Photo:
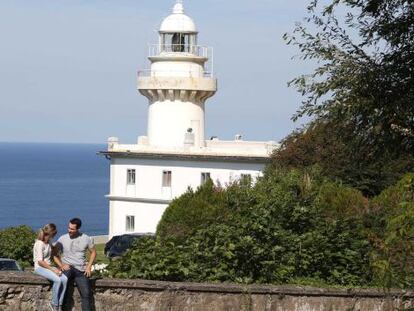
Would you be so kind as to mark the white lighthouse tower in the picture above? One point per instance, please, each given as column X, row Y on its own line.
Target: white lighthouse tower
column 177, row 85
column 174, row 155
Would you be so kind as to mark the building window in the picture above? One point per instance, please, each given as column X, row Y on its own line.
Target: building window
column 178, row 42
column 204, row 177
column 166, row 178
column 130, row 224
column 131, row 177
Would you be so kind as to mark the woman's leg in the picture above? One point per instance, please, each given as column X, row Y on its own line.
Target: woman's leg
column 51, row 276
column 62, row 292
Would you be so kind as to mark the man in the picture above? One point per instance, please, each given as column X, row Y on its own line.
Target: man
column 73, row 247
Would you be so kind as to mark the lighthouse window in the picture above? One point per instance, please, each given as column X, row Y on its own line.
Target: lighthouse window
column 131, row 177
column 178, row 42
column 205, row 176
column 166, row 178
column 130, row 224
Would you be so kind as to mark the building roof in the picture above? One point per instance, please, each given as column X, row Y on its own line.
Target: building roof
column 213, row 150
column 186, row 156
column 178, row 21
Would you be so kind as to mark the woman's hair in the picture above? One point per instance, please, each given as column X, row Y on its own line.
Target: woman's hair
column 48, row 229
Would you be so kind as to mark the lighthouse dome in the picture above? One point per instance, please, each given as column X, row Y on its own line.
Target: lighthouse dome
column 178, row 21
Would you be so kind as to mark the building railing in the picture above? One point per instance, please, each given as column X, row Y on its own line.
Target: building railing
column 173, row 73
column 196, row 50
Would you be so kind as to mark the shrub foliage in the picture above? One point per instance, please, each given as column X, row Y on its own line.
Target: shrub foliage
column 288, row 227
column 17, row 243
column 393, row 233
column 192, row 210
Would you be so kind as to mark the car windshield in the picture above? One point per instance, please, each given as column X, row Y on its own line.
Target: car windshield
column 8, row 265
column 125, row 242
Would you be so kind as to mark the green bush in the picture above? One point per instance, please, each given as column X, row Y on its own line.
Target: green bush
column 393, row 234
column 153, row 260
column 17, row 243
column 191, row 211
column 280, row 230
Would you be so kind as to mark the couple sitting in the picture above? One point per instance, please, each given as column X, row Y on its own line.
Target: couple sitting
column 69, row 255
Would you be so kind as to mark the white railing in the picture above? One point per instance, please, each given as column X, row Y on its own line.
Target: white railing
column 172, row 73
column 197, row 50
column 186, row 50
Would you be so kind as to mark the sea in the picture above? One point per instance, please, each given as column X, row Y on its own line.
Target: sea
column 42, row 183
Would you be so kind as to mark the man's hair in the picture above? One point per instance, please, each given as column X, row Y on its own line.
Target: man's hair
column 77, row 222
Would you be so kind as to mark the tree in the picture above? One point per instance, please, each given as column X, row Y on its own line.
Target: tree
column 331, row 147
column 367, row 81
column 362, row 91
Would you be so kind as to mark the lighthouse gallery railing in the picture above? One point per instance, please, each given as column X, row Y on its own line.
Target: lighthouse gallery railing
column 196, row 50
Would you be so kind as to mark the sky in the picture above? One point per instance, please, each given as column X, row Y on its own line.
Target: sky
column 68, row 67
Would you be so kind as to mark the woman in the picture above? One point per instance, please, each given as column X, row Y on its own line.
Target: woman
column 42, row 253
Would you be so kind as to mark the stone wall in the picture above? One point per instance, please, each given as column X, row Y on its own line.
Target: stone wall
column 25, row 291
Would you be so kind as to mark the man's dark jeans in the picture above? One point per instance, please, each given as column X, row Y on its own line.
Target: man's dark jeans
column 84, row 286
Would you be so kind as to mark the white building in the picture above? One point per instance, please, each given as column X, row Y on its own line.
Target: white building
column 174, row 155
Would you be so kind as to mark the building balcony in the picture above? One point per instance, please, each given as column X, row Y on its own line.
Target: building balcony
column 214, row 148
column 174, row 87
column 202, row 55
column 180, row 49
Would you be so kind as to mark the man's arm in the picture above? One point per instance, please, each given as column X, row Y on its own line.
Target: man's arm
column 56, row 250
column 59, row 263
column 92, row 257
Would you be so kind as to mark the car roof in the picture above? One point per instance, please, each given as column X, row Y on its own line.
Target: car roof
column 7, row 259
column 132, row 235
column 136, row 234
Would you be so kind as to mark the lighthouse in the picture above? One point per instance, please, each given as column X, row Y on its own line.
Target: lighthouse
column 174, row 154
column 178, row 84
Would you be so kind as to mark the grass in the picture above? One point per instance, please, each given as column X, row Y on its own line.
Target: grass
column 100, row 256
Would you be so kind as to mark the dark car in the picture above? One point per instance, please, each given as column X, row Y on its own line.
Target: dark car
column 7, row 264
column 119, row 244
